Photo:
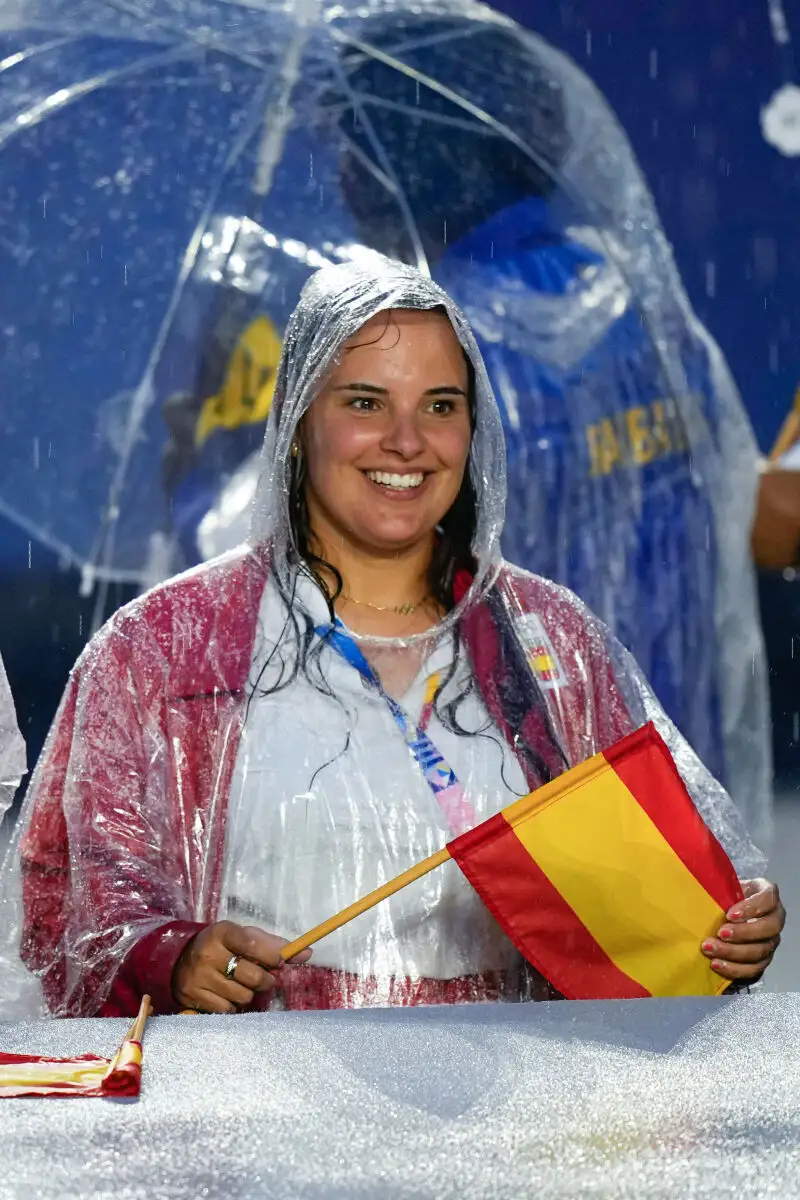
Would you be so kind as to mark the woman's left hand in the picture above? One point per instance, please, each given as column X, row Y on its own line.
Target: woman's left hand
column 745, row 944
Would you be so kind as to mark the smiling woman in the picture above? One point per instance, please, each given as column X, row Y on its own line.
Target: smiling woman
column 252, row 746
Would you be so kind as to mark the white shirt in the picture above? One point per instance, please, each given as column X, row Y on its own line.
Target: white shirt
column 327, row 803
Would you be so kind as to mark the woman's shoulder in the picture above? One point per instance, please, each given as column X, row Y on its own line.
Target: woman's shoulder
column 535, row 601
column 206, row 611
column 540, row 593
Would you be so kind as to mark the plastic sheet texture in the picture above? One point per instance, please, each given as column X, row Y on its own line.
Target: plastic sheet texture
column 645, row 1098
column 13, row 759
column 180, row 782
column 193, row 162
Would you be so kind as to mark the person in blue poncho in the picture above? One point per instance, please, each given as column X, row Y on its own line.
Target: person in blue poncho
column 618, row 422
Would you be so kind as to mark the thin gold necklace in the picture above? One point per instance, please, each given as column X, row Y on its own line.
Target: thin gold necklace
column 402, row 610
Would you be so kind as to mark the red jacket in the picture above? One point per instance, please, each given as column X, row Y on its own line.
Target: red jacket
column 123, row 853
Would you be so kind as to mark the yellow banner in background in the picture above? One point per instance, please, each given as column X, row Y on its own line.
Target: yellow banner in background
column 246, row 395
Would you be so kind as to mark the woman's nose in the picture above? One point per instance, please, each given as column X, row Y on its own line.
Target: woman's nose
column 404, row 435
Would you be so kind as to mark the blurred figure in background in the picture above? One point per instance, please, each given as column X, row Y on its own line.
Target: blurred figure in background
column 477, row 151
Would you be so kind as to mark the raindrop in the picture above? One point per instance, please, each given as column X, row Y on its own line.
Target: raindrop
column 711, row 278
column 654, row 64
column 765, row 260
column 778, row 23
column 36, row 454
column 30, row 553
column 310, row 167
column 80, row 624
column 588, row 43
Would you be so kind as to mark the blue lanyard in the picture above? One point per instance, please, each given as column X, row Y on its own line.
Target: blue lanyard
column 438, row 774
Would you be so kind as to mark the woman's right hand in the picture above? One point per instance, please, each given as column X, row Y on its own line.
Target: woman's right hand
column 199, row 981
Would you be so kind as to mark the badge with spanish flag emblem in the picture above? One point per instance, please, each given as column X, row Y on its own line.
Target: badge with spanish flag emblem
column 540, row 652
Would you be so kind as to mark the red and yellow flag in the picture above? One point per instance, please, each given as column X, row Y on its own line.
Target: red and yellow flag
column 86, row 1075
column 607, row 879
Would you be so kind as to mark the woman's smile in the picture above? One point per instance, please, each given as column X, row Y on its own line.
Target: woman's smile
column 394, row 485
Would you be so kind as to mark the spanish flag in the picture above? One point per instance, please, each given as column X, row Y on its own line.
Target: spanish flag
column 607, row 879
column 85, row 1075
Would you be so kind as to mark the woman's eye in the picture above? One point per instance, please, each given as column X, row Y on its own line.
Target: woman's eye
column 362, row 403
column 442, row 407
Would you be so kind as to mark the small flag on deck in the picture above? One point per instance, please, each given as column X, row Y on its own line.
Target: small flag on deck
column 607, row 879
column 86, row 1075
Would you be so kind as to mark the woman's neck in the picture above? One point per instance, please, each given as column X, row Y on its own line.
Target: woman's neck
column 396, row 582
column 388, row 596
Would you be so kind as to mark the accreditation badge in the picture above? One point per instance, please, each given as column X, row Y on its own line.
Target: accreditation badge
column 540, row 652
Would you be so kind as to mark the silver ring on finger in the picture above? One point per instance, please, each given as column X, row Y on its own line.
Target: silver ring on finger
column 230, row 970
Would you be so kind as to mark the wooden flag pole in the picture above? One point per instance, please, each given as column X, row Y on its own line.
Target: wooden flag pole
column 137, row 1028
column 120, row 1064
column 364, row 904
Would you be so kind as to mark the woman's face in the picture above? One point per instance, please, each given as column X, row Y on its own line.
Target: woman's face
column 387, row 439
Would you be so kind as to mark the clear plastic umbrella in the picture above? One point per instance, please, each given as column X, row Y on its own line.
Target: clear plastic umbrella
column 146, row 145
column 175, row 169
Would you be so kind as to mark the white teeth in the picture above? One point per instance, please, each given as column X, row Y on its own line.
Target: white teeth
column 402, row 482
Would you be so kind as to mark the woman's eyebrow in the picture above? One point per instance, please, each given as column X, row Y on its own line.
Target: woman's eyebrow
column 362, row 387
column 379, row 391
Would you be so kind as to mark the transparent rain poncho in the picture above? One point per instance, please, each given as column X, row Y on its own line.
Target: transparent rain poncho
column 175, row 171
column 179, row 786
